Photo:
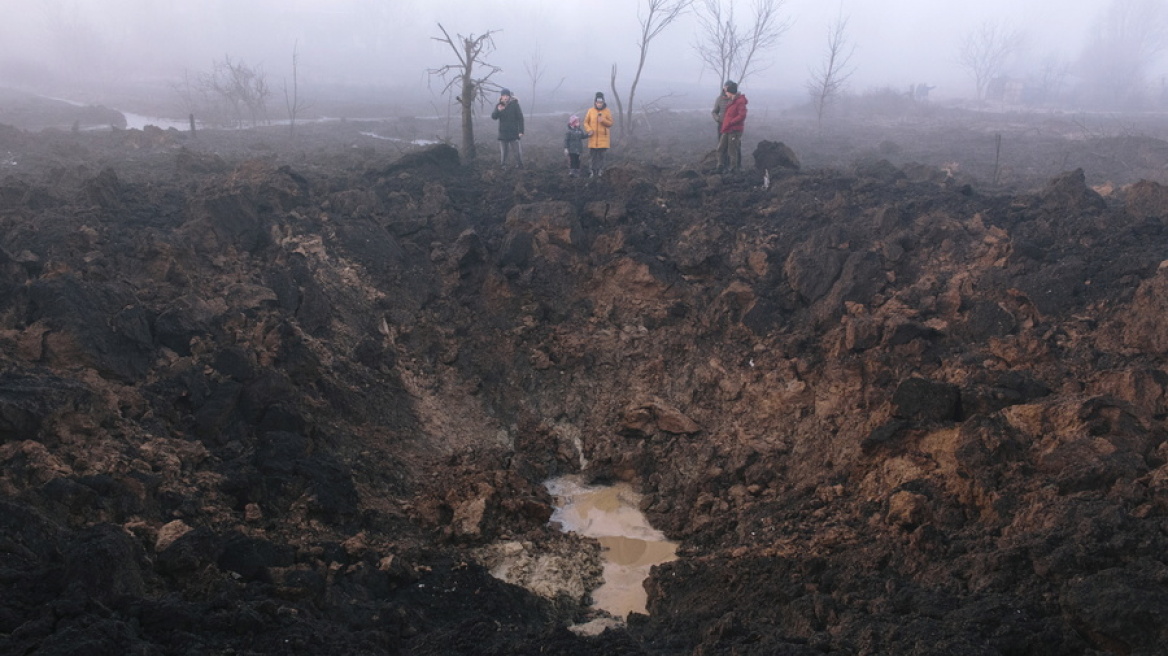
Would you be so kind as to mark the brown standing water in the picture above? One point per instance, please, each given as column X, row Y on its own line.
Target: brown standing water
column 611, row 515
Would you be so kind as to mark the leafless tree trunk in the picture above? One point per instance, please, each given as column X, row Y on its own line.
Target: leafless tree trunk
column 732, row 50
column 470, row 51
column 615, row 94
column 657, row 15
column 985, row 51
column 292, row 99
column 828, row 80
column 535, row 72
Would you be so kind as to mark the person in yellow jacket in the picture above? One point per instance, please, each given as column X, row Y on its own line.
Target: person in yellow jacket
column 597, row 125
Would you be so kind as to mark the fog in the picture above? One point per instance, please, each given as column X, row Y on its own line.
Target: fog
column 85, row 49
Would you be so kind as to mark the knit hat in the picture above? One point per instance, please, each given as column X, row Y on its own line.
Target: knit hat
column 573, row 121
column 731, row 87
column 599, row 96
column 504, row 92
column 728, row 83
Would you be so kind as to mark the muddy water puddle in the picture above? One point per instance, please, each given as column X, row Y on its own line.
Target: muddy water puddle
column 612, row 516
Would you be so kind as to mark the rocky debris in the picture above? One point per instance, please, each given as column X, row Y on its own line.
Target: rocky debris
column 925, row 400
column 273, row 405
column 438, row 159
column 646, row 418
column 567, row 568
column 1070, row 192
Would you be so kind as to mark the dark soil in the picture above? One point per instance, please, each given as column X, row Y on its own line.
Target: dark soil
column 274, row 393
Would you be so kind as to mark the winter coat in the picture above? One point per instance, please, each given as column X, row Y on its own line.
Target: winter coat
column 574, row 140
column 735, row 118
column 720, row 108
column 510, row 120
column 598, row 122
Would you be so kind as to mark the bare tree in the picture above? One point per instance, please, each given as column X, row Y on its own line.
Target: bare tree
column 766, row 28
column 535, row 72
column 1123, row 44
column 292, row 100
column 471, row 84
column 237, row 90
column 827, row 81
column 733, row 50
column 654, row 16
column 226, row 95
column 985, row 51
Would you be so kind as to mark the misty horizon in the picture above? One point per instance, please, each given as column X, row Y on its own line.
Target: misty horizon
column 86, row 51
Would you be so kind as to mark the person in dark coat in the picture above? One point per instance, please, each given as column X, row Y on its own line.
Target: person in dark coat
column 720, row 109
column 510, row 118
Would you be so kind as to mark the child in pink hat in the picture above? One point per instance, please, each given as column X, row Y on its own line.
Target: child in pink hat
column 574, row 145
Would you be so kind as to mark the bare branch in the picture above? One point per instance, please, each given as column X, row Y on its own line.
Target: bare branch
column 827, row 82
column 1123, row 45
column 766, row 31
column 717, row 44
column 734, row 50
column 985, row 51
column 235, row 89
column 657, row 15
column 449, row 41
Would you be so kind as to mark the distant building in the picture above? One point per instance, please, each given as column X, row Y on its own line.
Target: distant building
column 1011, row 91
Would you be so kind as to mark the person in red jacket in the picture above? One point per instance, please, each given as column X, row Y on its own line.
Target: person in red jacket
column 733, row 122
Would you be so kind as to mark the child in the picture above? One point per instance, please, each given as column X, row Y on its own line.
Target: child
column 574, row 145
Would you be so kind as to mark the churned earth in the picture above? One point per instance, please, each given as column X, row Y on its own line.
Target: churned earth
column 273, row 393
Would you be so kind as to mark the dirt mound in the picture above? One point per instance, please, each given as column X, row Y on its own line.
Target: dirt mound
column 769, row 155
column 293, row 396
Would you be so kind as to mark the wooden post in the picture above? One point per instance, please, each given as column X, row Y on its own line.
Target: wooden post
column 192, row 124
column 997, row 157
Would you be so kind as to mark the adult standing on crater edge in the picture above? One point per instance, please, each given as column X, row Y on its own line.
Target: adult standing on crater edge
column 597, row 124
column 720, row 109
column 733, row 123
column 510, row 119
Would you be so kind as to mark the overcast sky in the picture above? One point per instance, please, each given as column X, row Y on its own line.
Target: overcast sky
column 897, row 42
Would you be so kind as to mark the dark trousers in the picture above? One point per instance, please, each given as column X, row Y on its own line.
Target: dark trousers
column 730, row 151
column 574, row 161
column 596, row 159
column 505, row 148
